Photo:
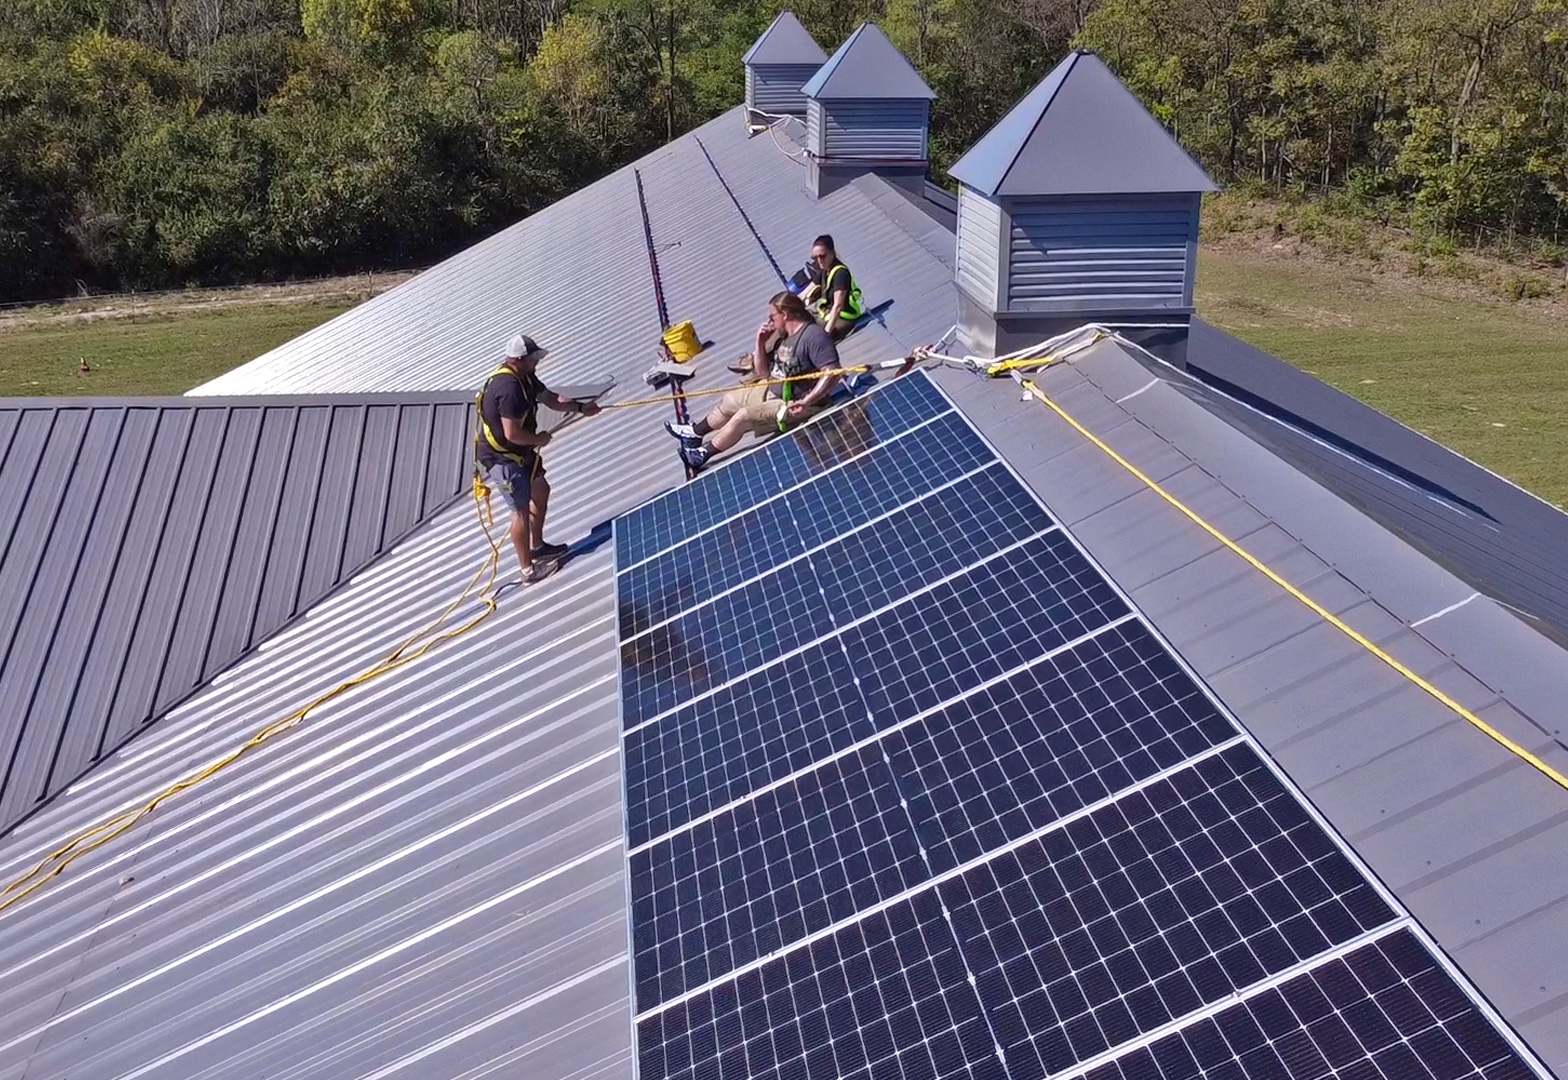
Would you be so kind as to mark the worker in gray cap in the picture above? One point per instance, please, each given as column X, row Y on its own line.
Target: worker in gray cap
column 507, row 446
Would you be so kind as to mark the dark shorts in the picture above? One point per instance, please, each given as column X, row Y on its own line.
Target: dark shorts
column 514, row 483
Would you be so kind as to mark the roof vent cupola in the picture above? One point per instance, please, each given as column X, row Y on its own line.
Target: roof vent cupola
column 867, row 111
column 778, row 64
column 1077, row 207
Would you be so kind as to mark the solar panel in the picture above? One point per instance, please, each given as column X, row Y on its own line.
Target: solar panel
column 934, row 801
column 1169, row 899
column 1387, row 1009
column 812, row 595
column 884, row 997
column 1061, row 734
column 830, row 505
column 829, row 442
column 788, row 863
column 998, row 616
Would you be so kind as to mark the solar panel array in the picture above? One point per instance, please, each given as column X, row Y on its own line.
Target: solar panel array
column 912, row 791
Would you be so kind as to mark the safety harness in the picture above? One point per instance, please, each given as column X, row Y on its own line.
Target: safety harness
column 498, row 444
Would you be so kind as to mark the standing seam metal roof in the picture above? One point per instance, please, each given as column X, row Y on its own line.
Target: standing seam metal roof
column 427, row 878
column 146, row 544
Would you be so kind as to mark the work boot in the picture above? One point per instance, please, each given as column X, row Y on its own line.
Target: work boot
column 696, row 456
column 539, row 571
column 549, row 552
column 684, row 432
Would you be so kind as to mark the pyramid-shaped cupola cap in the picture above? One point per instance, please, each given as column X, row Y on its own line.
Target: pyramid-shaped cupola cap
column 1079, row 132
column 867, row 65
column 784, row 42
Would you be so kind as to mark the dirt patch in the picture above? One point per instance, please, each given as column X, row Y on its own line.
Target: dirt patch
column 162, row 305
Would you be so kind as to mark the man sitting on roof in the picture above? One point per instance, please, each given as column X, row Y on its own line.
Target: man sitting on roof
column 766, row 410
column 837, row 298
column 507, row 446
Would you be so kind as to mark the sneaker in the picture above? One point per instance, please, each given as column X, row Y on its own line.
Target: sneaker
column 539, row 571
column 547, row 552
column 684, row 432
column 696, row 456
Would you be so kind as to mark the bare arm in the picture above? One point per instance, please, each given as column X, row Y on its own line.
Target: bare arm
column 570, row 405
column 513, row 430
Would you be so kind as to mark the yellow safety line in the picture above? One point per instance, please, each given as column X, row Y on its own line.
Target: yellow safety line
column 96, row 837
column 1312, row 604
column 859, row 369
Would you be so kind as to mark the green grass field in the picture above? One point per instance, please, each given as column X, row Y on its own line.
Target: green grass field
column 1489, row 380
column 151, row 355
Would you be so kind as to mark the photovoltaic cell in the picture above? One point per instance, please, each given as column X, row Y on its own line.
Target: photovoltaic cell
column 705, row 648
column 723, row 492
column 809, row 597
column 1060, row 735
column 971, row 629
column 885, row 997
column 792, row 861
column 1385, row 1010
column 1171, row 898
column 772, row 532
column 957, row 527
column 746, row 736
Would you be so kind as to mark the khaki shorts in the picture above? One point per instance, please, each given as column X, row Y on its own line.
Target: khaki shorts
column 761, row 410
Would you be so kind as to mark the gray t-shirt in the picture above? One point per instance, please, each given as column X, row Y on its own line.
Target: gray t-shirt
column 806, row 350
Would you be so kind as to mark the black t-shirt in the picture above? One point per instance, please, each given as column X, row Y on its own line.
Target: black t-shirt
column 516, row 397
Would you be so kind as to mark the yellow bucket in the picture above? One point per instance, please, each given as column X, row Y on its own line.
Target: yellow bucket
column 682, row 341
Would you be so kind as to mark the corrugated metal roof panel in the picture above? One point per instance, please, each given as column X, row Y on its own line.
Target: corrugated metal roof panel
column 136, row 556
column 425, row 878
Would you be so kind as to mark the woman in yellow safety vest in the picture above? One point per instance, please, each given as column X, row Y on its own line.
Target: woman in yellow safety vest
column 837, row 300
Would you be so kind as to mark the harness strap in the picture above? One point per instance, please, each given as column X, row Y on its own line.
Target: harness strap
column 499, row 445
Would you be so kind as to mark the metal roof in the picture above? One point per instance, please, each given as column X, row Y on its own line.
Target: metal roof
column 427, row 877
column 867, row 65
column 785, row 41
column 148, row 543
column 1472, row 839
column 1079, row 132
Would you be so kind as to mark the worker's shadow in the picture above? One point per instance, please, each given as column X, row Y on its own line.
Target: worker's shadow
column 596, row 538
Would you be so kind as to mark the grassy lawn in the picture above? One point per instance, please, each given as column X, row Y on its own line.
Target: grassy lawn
column 153, row 355
column 1488, row 380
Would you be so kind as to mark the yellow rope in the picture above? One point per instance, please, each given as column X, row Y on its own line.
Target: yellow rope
column 406, row 653
column 1312, row 605
column 859, row 369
